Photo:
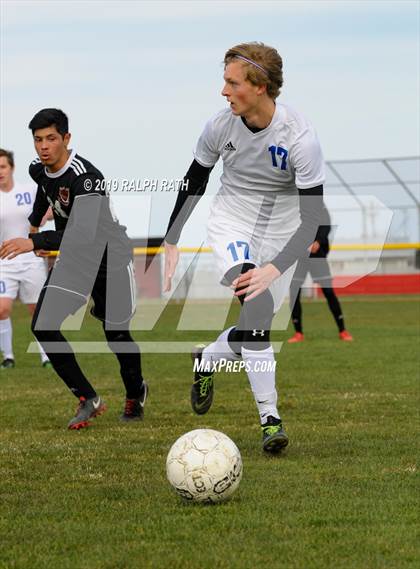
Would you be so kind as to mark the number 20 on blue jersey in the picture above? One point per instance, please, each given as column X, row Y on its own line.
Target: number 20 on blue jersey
column 24, row 198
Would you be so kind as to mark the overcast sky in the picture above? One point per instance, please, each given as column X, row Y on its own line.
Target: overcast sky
column 139, row 80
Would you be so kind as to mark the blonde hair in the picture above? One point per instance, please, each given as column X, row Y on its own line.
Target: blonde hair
column 9, row 156
column 256, row 56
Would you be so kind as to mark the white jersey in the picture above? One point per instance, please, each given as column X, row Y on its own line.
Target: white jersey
column 15, row 207
column 262, row 171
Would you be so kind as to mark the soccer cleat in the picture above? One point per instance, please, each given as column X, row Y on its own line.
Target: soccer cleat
column 297, row 337
column 7, row 363
column 47, row 364
column 346, row 336
column 87, row 409
column 202, row 387
column 134, row 408
column 274, row 438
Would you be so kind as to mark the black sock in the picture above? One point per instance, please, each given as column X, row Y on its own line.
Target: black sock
column 296, row 311
column 129, row 370
column 128, row 355
column 335, row 307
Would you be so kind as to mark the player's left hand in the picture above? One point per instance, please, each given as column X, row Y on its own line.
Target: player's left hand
column 14, row 247
column 255, row 281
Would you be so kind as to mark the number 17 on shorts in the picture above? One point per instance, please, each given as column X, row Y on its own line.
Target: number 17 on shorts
column 239, row 251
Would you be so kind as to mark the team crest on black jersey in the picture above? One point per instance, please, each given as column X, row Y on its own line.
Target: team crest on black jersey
column 64, row 195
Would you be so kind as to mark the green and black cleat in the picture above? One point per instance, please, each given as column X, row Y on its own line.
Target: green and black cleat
column 87, row 409
column 274, row 437
column 8, row 363
column 202, row 388
column 134, row 408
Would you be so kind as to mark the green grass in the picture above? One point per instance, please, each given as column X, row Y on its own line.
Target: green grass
column 344, row 495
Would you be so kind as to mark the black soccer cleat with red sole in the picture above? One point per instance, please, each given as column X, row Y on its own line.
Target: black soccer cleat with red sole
column 134, row 408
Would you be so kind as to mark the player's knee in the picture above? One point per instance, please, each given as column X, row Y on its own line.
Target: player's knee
column 235, row 271
column 44, row 329
column 117, row 335
column 120, row 341
column 44, row 336
column 328, row 291
column 255, row 320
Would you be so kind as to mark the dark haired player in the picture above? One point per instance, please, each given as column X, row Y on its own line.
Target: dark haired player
column 264, row 217
column 317, row 265
column 95, row 258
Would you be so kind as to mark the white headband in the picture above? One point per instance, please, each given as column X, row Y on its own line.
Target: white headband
column 252, row 63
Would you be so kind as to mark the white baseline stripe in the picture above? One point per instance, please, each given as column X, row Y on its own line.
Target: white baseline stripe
column 132, row 285
column 80, row 164
column 75, row 169
column 66, row 290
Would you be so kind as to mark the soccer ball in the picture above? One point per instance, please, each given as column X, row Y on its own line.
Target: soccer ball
column 204, row 466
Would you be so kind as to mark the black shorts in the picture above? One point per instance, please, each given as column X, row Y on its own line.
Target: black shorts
column 113, row 294
column 318, row 268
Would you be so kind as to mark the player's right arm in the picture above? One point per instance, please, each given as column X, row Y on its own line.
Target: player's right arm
column 32, row 229
column 41, row 204
column 40, row 208
column 195, row 180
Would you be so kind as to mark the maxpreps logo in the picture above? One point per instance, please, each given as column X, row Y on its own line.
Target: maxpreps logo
column 209, row 367
column 64, row 195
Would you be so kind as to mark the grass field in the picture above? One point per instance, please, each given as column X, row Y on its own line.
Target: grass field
column 343, row 495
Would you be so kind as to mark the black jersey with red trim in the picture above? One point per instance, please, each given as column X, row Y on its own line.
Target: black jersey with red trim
column 85, row 225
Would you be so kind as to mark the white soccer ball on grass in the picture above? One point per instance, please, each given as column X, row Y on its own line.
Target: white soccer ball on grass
column 204, row 466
